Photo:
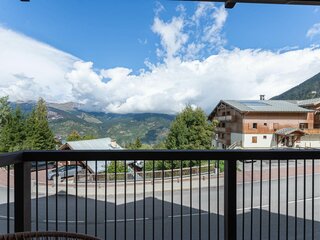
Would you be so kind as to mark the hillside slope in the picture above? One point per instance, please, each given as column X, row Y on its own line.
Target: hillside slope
column 125, row 128
column 308, row 89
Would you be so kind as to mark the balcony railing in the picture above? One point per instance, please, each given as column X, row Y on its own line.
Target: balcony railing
column 225, row 118
column 198, row 195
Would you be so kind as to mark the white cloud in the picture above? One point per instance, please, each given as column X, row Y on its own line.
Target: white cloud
column 171, row 35
column 314, row 31
column 235, row 74
column 30, row 69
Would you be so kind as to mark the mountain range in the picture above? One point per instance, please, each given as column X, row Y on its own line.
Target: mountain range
column 306, row 90
column 151, row 128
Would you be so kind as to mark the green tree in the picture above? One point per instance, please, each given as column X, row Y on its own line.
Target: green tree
column 5, row 110
column 13, row 133
column 135, row 145
column 190, row 130
column 74, row 136
column 116, row 166
column 39, row 135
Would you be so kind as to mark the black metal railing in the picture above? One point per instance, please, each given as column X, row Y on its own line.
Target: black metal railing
column 236, row 194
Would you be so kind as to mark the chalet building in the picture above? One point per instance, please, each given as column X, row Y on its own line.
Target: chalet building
column 92, row 144
column 267, row 124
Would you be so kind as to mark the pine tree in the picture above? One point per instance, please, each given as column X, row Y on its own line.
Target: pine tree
column 13, row 134
column 5, row 110
column 39, row 135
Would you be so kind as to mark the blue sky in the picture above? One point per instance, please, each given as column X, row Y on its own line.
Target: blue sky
column 113, row 33
column 131, row 56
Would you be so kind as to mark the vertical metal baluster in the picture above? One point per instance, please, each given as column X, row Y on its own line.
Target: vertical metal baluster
column 218, row 200
column 287, row 202
column 278, row 199
column 47, row 204
column 304, row 198
column 153, row 196
column 67, row 196
column 115, row 200
column 76, row 195
column 191, row 210
column 171, row 199
column 135, row 201
column 125, row 199
column 106, row 200
column 251, row 211
column 162, row 204
column 261, row 172
column 86, row 201
column 144, row 200
column 181, row 199
column 37, row 197
column 296, row 200
column 312, row 207
column 243, row 197
column 209, row 199
column 96, row 200
column 57, row 186
column 200, row 199
column 8, row 199
column 269, row 214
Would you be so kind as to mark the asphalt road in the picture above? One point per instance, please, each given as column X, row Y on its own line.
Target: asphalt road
column 164, row 220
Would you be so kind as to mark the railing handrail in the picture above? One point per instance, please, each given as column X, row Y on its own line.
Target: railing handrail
column 10, row 158
column 259, row 154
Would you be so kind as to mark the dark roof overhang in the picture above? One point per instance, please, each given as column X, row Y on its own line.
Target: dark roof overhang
column 232, row 3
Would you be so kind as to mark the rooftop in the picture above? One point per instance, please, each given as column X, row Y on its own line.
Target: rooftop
column 265, row 106
column 93, row 144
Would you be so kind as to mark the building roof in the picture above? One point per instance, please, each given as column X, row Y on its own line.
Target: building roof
column 93, row 144
column 289, row 131
column 309, row 102
column 265, row 106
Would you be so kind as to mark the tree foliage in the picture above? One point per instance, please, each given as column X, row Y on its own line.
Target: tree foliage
column 5, row 110
column 190, row 130
column 20, row 132
column 39, row 134
column 75, row 136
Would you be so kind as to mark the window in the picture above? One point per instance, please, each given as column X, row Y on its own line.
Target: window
column 223, row 124
column 255, row 125
column 303, row 125
column 264, row 137
column 254, row 140
column 228, row 113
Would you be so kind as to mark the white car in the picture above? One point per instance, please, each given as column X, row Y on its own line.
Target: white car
column 64, row 171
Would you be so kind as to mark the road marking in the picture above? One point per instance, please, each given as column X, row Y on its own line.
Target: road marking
column 241, row 209
column 5, row 217
column 127, row 220
column 62, row 221
column 267, row 205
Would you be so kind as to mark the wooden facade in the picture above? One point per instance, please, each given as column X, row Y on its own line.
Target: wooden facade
column 233, row 122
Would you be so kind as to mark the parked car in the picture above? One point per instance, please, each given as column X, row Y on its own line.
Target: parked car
column 42, row 165
column 64, row 171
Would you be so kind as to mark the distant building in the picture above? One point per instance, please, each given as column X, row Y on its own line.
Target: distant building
column 93, row 144
column 267, row 123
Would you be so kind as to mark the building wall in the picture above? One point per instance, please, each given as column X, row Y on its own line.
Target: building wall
column 312, row 141
column 267, row 142
column 268, row 123
column 237, row 137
